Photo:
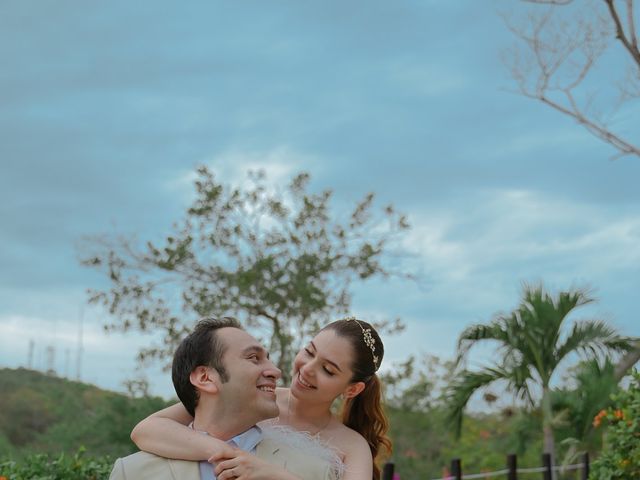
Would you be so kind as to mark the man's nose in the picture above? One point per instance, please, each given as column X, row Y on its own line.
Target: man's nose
column 272, row 371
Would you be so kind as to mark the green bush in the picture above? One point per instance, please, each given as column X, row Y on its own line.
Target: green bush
column 620, row 458
column 62, row 467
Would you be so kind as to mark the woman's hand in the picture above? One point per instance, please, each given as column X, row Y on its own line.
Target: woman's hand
column 221, row 450
column 245, row 466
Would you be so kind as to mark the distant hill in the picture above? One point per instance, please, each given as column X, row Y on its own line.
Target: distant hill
column 42, row 413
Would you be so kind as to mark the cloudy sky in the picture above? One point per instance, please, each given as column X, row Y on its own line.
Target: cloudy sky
column 107, row 107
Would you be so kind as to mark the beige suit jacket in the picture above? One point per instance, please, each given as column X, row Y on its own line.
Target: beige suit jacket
column 145, row 466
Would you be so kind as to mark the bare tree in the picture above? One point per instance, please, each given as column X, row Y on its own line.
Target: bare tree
column 556, row 62
column 564, row 51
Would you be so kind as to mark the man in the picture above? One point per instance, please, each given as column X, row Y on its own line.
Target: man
column 225, row 379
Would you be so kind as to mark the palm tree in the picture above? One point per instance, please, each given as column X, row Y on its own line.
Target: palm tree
column 532, row 343
column 575, row 408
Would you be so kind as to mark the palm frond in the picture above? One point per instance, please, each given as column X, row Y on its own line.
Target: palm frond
column 518, row 378
column 542, row 317
column 461, row 389
column 593, row 337
column 476, row 333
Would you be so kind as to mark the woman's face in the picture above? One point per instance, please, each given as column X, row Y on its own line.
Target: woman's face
column 322, row 369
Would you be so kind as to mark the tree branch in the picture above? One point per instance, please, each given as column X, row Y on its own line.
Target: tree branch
column 630, row 45
column 558, row 58
column 601, row 132
column 632, row 25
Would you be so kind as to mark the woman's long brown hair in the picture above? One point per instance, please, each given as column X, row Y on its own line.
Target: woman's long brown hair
column 364, row 413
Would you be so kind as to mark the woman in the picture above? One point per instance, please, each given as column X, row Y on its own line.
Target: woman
column 341, row 360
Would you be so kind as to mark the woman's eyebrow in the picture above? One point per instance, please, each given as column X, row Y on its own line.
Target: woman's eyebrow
column 335, row 365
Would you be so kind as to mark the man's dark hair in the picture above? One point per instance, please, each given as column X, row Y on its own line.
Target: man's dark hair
column 200, row 347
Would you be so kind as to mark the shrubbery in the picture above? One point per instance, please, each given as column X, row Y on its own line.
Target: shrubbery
column 59, row 467
column 620, row 458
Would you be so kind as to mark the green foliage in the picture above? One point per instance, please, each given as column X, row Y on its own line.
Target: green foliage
column 620, row 458
column 574, row 408
column 417, row 442
column 278, row 259
column 40, row 413
column 531, row 346
column 424, row 443
column 416, row 389
column 30, row 412
column 57, row 467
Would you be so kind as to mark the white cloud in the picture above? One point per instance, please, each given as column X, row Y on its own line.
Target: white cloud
column 231, row 167
column 509, row 227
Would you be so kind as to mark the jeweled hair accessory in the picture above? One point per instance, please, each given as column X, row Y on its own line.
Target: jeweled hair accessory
column 369, row 341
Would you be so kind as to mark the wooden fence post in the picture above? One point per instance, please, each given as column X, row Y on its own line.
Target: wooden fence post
column 512, row 466
column 585, row 466
column 546, row 463
column 387, row 471
column 456, row 469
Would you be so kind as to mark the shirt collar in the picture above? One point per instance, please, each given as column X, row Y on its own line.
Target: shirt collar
column 247, row 440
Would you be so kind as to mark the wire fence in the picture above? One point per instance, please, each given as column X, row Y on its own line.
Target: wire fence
column 512, row 472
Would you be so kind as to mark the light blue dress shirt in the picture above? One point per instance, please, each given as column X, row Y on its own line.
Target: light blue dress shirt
column 247, row 441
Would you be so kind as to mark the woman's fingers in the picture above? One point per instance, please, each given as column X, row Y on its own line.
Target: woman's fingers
column 223, row 453
column 225, row 466
column 245, row 466
column 227, row 475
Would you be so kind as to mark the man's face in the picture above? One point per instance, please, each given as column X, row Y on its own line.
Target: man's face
column 250, row 390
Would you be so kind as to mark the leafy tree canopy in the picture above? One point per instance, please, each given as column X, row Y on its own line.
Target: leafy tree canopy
column 279, row 259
